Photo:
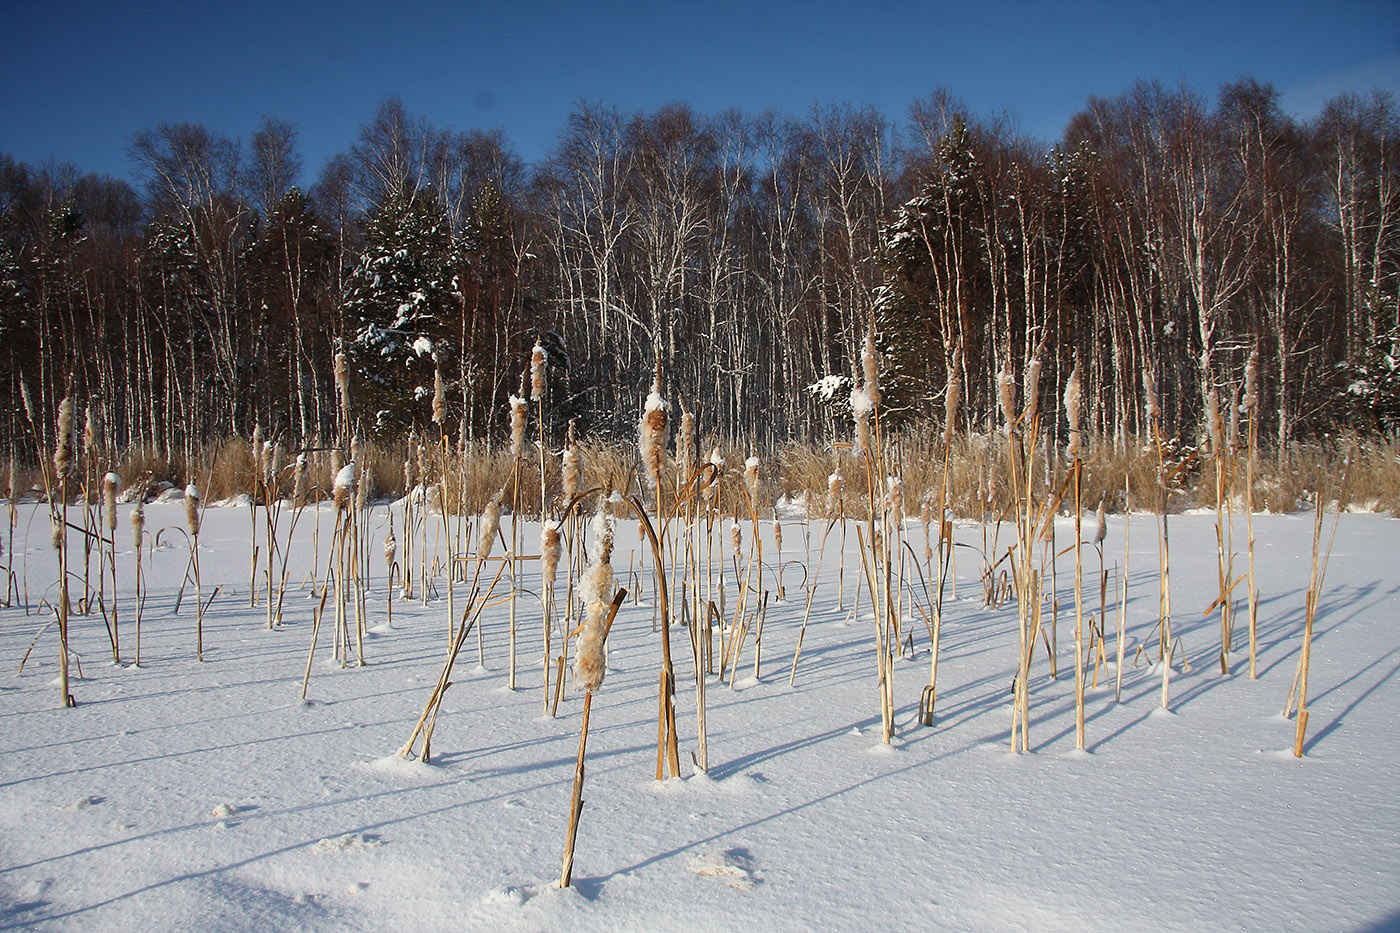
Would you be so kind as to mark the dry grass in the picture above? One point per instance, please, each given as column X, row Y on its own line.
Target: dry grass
column 799, row 471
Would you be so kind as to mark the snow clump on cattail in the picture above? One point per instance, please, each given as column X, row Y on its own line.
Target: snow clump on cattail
column 861, row 407
column 343, row 489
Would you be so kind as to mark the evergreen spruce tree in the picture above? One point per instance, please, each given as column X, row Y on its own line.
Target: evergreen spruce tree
column 396, row 306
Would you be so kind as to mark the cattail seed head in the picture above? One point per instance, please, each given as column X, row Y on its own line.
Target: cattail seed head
column 56, row 530
column 1251, row 384
column 89, row 433
column 571, row 471
column 63, row 445
column 300, row 481
column 596, row 588
column 1101, row 520
column 778, row 535
column 337, row 462
column 138, row 525
column 490, row 523
column 259, row 468
column 1006, row 392
column 1150, row 397
column 519, row 411
column 1032, row 392
column 343, row 489
column 861, row 407
column 14, row 480
column 651, row 435
column 551, row 549
column 736, row 538
column 391, row 549
column 751, row 480
column 894, row 496
column 1214, row 422
column 192, row 508
column 363, row 488
column 1074, row 411
column 538, row 359
column 952, row 398
column 111, row 485
column 439, row 398
column 685, row 443
column 28, row 402
column 342, row 380
column 870, row 364
column 833, row 494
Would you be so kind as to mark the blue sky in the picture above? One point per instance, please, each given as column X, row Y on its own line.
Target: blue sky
column 78, row 78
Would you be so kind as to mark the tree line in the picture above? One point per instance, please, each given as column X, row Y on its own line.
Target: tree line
column 1165, row 240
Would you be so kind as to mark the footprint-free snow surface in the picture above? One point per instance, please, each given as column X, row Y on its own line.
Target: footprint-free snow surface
column 181, row 795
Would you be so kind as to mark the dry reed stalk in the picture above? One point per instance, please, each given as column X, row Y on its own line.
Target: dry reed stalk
column 1220, row 454
column 1074, row 413
column 63, row 463
column 519, row 415
column 551, row 549
column 111, row 485
column 592, row 635
column 391, row 553
column 192, row 518
column 1249, row 407
column 255, row 448
column 138, row 534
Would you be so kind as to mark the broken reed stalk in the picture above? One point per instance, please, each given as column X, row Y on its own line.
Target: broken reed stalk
column 593, row 635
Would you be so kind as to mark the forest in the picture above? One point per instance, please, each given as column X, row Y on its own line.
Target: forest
column 1165, row 241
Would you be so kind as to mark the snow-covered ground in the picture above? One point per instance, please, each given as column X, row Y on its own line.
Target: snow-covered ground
column 182, row 795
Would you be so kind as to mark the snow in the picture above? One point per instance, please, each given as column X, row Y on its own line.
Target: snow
column 181, row 795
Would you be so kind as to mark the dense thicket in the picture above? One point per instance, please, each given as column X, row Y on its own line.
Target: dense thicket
column 1160, row 243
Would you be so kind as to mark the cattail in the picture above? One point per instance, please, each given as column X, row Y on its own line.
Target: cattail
column 589, row 666
column 551, row 549
column 1150, row 397
column 14, row 480
column 259, row 467
column 138, row 524
column 736, row 538
column 362, row 492
column 751, row 479
column 894, row 496
column 1032, row 392
column 89, row 433
column 572, row 472
column 833, row 493
column 435, row 498
column 192, row 508
column 111, row 485
column 28, row 402
column 63, row 445
column 463, row 435
column 717, row 461
column 651, row 434
column 1214, row 422
column 1073, row 411
column 56, row 530
column 343, row 489
column 519, row 411
column 439, row 398
column 1251, row 384
column 861, row 407
column 952, row 398
column 342, row 381
column 337, row 462
column 538, row 358
column 1006, row 391
column 778, row 535
column 1101, row 531
column 391, row 550
column 490, row 523
column 870, row 363
column 685, row 443
column 300, row 481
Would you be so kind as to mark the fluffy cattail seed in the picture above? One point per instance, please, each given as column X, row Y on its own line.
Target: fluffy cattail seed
column 861, row 407
column 192, row 508
column 391, row 550
column 1032, row 392
column 439, row 398
column 1251, row 384
column 894, row 495
column 519, row 411
column 870, row 364
column 490, row 523
column 63, row 446
column 651, row 434
column 343, row 489
column 138, row 525
column 111, row 485
column 551, row 549
column 736, row 538
column 589, row 664
column 1006, row 392
column 1073, row 412
column 538, row 358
